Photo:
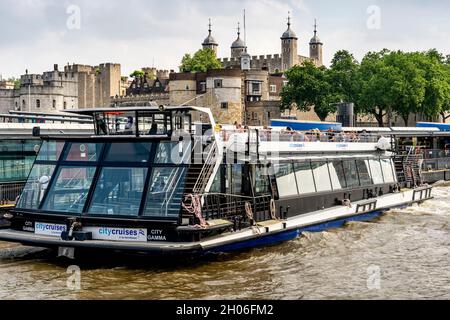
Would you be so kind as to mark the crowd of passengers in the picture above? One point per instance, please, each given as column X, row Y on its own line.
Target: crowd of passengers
column 288, row 134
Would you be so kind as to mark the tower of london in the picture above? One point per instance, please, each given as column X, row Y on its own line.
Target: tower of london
column 274, row 63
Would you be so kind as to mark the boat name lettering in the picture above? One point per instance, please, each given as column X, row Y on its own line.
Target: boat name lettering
column 157, row 235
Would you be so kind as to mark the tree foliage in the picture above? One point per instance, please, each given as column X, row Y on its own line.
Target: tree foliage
column 137, row 74
column 384, row 84
column 202, row 61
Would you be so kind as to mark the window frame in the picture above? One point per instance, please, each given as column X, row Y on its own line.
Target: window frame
column 99, row 165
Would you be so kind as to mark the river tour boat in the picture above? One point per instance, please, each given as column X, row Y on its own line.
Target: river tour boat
column 170, row 180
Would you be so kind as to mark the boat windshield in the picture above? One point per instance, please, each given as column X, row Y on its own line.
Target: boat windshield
column 120, row 179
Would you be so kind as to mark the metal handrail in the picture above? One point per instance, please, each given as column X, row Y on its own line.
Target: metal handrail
column 219, row 206
column 207, row 169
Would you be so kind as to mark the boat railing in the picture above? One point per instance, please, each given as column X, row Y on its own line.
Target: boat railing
column 267, row 135
column 229, row 206
column 409, row 167
column 10, row 191
column 207, row 169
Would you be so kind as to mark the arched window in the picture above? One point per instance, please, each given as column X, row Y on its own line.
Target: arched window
column 24, row 104
column 38, row 104
column 54, row 104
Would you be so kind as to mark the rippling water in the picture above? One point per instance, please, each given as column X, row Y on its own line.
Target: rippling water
column 405, row 254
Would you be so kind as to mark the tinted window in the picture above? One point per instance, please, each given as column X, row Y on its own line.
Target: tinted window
column 119, row 192
column 351, row 173
column 50, row 151
column 286, row 183
column 377, row 173
column 386, row 165
column 337, row 175
column 262, row 184
column 364, row 172
column 128, row 152
column 321, row 176
column 35, row 187
column 173, row 152
column 305, row 177
column 70, row 190
column 165, row 192
column 84, row 152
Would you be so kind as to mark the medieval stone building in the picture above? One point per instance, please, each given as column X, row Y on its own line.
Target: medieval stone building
column 274, row 63
column 77, row 87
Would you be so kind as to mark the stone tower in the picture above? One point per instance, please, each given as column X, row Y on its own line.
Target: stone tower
column 316, row 48
column 210, row 42
column 289, row 48
column 238, row 48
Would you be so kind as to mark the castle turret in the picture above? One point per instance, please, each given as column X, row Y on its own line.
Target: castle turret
column 238, row 47
column 316, row 48
column 210, row 42
column 289, row 48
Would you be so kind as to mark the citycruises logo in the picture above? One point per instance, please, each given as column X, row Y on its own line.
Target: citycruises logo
column 118, row 234
column 47, row 229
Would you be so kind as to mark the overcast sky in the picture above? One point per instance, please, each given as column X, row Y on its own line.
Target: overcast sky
column 35, row 34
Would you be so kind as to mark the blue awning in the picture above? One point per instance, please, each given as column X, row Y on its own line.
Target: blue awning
column 307, row 125
column 440, row 126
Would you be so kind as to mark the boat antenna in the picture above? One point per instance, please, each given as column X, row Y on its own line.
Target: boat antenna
column 245, row 29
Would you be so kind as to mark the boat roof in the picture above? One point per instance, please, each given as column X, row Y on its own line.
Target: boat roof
column 131, row 109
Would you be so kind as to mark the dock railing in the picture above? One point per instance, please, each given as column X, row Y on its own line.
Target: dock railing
column 267, row 135
column 10, row 191
column 228, row 206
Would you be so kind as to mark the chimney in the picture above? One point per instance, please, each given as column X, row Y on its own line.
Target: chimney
column 55, row 67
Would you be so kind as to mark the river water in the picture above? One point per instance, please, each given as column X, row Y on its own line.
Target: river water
column 405, row 254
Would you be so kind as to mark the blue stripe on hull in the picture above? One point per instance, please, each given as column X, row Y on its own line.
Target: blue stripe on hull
column 292, row 234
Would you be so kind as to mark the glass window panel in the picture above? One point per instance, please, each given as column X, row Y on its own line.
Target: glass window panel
column 364, row 173
column 50, row 151
column 217, row 184
column 16, row 160
column 286, row 180
column 377, row 173
column 165, row 192
column 234, row 179
column 337, row 175
column 119, row 192
column 351, row 173
column 35, row 187
column 129, row 152
column 173, row 152
column 70, row 190
column 321, row 176
column 386, row 165
column 84, row 152
column 262, row 182
column 305, row 177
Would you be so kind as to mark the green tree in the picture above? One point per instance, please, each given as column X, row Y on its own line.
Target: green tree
column 137, row 74
column 437, row 90
column 343, row 76
column 17, row 82
column 373, row 93
column 409, row 84
column 202, row 61
column 309, row 86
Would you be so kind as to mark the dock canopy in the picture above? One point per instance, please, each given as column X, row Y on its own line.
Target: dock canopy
column 440, row 126
column 307, row 125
